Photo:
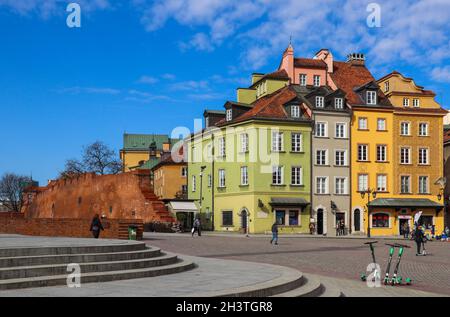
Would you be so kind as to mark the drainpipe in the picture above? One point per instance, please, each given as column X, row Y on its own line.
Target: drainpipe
column 349, row 159
column 213, row 182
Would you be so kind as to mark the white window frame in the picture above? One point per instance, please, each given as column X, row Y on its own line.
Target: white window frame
column 244, row 175
column 383, row 120
column 222, row 178
column 421, row 156
column 344, row 130
column 184, row 171
column 371, row 97
column 320, row 102
column 409, row 184
column 303, row 79
column 416, row 103
column 296, row 142
column 383, row 153
column 244, row 143
column 277, row 175
column 316, row 80
column 365, row 152
column 427, row 184
column 222, row 147
column 194, row 183
column 277, row 141
column 296, row 175
column 383, row 186
column 324, row 186
column 366, row 123
column 386, row 86
column 339, row 103
column 423, row 124
column 209, row 180
column 323, row 158
column 336, row 161
column 325, row 129
column 363, row 182
column 405, row 102
column 405, row 124
column 295, row 111
column 229, row 114
column 344, row 184
column 405, row 156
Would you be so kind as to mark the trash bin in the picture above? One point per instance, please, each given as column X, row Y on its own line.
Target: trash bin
column 132, row 232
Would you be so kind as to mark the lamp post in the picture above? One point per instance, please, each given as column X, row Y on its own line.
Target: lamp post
column 369, row 192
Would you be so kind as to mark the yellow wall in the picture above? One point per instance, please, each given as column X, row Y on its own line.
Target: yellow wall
column 131, row 159
column 245, row 95
column 372, row 138
column 168, row 181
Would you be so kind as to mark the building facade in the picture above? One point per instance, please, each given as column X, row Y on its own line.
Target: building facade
column 170, row 177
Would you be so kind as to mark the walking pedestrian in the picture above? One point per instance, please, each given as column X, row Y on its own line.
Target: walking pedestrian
column 418, row 236
column 274, row 234
column 197, row 228
column 96, row 226
column 407, row 230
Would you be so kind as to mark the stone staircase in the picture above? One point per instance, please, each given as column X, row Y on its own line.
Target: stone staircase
column 48, row 266
column 157, row 205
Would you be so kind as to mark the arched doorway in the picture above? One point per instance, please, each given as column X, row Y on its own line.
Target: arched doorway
column 244, row 221
column 320, row 221
column 357, row 219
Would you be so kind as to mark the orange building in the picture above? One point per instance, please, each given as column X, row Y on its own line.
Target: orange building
column 170, row 178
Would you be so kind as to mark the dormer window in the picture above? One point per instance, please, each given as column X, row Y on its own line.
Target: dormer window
column 316, row 81
column 295, row 111
column 416, row 103
column 229, row 114
column 339, row 103
column 386, row 86
column 303, row 79
column 319, row 102
column 405, row 102
column 371, row 97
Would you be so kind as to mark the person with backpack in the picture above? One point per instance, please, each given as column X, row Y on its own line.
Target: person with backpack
column 96, row 226
column 274, row 233
column 197, row 228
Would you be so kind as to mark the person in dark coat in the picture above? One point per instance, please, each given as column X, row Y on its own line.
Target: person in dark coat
column 197, row 228
column 274, row 234
column 96, row 226
column 418, row 236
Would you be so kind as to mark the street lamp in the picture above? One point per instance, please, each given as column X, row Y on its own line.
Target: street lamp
column 201, row 187
column 374, row 195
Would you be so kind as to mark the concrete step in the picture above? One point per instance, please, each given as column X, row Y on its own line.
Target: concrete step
column 54, row 250
column 312, row 287
column 97, row 277
column 78, row 258
column 60, row 269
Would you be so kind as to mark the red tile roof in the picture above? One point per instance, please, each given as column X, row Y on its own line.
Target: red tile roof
column 348, row 77
column 269, row 107
column 309, row 63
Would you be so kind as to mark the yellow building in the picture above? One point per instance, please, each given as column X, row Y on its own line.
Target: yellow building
column 143, row 150
column 170, row 179
column 417, row 158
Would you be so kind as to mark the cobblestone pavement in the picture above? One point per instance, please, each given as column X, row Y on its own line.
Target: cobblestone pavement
column 336, row 258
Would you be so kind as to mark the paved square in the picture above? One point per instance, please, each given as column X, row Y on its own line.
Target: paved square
column 335, row 258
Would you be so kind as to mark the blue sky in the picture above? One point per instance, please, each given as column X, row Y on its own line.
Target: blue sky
column 149, row 66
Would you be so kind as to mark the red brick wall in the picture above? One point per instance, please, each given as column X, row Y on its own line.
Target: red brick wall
column 16, row 223
column 86, row 195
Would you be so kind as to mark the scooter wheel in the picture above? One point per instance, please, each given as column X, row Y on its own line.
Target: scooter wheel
column 363, row 277
column 399, row 280
column 408, row 281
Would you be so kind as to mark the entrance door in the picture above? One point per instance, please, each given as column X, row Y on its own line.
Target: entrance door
column 320, row 221
column 357, row 219
column 340, row 223
column 402, row 224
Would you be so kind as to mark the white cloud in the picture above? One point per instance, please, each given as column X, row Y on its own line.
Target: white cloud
column 190, row 85
column 148, row 80
column 441, row 74
column 414, row 32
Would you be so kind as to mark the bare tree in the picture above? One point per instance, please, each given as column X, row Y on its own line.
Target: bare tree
column 97, row 158
column 11, row 189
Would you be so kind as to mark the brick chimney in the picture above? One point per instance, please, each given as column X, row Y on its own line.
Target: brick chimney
column 356, row 59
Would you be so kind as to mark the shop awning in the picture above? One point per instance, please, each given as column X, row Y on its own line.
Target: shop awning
column 405, row 203
column 288, row 202
column 182, row 206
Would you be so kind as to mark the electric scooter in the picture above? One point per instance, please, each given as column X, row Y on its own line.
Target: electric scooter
column 388, row 268
column 396, row 279
column 372, row 251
